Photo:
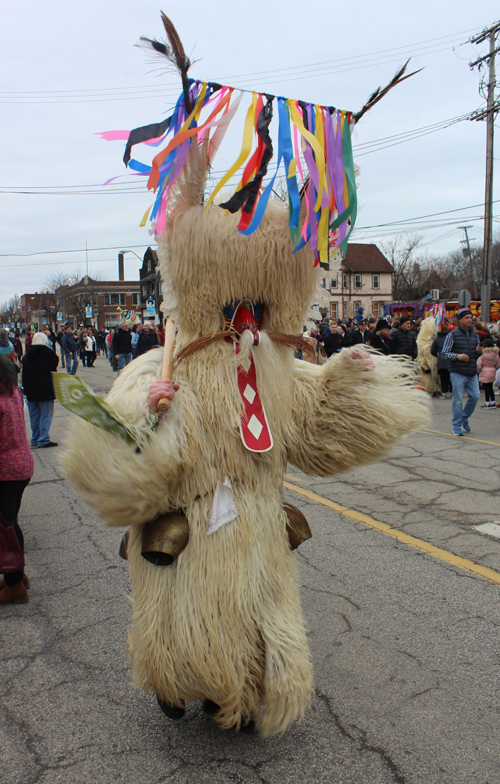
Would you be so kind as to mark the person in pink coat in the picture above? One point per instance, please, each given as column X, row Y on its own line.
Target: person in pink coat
column 16, row 470
column 487, row 365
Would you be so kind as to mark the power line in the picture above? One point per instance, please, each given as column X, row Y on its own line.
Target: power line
column 73, row 250
column 292, row 73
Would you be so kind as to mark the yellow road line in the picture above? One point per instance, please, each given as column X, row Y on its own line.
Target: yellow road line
column 295, row 478
column 413, row 541
column 452, row 435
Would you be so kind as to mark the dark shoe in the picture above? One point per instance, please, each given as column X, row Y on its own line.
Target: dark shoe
column 34, row 446
column 210, row 708
column 171, row 711
column 26, row 582
column 249, row 727
column 46, row 446
column 14, row 594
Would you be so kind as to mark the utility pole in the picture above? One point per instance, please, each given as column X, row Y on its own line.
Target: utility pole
column 471, row 269
column 489, row 113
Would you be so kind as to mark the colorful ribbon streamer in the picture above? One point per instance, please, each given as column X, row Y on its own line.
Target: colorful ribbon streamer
column 314, row 148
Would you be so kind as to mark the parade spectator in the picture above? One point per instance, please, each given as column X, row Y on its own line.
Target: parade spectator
column 122, row 345
column 82, row 334
column 362, row 335
column 51, row 336
column 18, row 347
column 16, row 470
column 335, row 341
column 29, row 339
column 6, row 347
column 161, row 336
column 380, row 339
column 394, row 326
column 404, row 341
column 460, row 350
column 70, row 348
column 136, row 331
column 487, row 365
column 38, row 364
column 483, row 332
column 442, row 363
column 90, row 348
column 59, row 338
column 148, row 339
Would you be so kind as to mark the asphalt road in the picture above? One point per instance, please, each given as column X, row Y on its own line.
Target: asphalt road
column 406, row 647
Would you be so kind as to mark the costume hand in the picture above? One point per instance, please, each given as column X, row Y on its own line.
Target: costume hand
column 159, row 389
column 363, row 356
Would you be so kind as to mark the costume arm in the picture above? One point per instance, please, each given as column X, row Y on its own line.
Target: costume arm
column 124, row 484
column 347, row 414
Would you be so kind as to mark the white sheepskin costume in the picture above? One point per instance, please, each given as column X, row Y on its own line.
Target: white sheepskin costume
column 224, row 622
column 426, row 363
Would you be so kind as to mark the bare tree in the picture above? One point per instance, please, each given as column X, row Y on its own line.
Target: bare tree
column 409, row 272
column 11, row 310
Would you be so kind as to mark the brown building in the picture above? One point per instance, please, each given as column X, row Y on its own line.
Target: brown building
column 362, row 279
column 96, row 302
column 35, row 307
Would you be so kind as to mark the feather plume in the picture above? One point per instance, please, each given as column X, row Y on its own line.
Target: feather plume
column 178, row 56
column 380, row 92
column 173, row 51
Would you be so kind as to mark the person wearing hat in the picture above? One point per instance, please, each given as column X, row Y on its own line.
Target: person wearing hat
column 403, row 341
column 122, row 345
column 380, row 338
column 39, row 362
column 460, row 351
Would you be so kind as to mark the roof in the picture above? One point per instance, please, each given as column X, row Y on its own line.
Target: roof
column 366, row 258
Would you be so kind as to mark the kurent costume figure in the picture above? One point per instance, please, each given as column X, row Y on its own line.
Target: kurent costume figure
column 426, row 363
column 222, row 622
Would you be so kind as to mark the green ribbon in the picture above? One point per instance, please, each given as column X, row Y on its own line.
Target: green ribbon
column 352, row 210
column 80, row 399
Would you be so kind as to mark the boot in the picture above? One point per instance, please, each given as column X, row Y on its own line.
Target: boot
column 14, row 594
column 26, row 582
column 172, row 711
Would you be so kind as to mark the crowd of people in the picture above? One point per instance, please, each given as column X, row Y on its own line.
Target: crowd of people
column 472, row 365
column 119, row 344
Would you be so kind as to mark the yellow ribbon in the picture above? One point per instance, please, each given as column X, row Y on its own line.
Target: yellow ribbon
column 146, row 216
column 320, row 156
column 245, row 149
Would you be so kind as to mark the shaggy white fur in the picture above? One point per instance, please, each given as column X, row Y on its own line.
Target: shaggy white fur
column 224, row 622
column 426, row 363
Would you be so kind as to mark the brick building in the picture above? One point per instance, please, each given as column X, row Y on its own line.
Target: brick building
column 35, row 307
column 95, row 302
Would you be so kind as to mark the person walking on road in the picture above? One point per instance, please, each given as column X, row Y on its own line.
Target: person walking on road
column 16, row 470
column 38, row 363
column 70, row 348
column 460, row 350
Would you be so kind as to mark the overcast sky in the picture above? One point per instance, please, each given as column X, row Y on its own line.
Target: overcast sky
column 70, row 70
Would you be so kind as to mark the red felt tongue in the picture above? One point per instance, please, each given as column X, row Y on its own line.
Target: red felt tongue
column 254, row 427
